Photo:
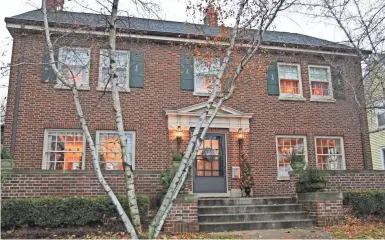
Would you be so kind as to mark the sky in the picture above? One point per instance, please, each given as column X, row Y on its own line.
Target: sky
column 174, row 10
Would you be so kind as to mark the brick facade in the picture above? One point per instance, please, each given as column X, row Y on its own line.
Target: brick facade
column 43, row 107
column 324, row 213
column 351, row 180
column 183, row 217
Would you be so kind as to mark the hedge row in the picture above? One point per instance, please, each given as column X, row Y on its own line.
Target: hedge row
column 366, row 202
column 64, row 211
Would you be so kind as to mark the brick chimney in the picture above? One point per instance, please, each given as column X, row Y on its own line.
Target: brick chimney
column 211, row 17
column 54, row 5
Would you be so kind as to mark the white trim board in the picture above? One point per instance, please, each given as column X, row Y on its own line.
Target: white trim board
column 172, row 39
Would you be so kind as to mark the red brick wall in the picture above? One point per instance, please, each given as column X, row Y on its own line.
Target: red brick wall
column 183, row 217
column 350, row 180
column 43, row 107
column 324, row 213
column 34, row 184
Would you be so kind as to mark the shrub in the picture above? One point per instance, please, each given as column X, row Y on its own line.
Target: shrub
column 64, row 211
column 366, row 202
column 312, row 179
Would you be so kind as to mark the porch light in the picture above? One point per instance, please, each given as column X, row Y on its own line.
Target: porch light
column 179, row 133
column 241, row 135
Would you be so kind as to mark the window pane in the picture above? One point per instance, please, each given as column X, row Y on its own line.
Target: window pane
column 319, row 74
column 65, row 150
column 75, row 64
column 289, row 86
column 286, row 147
column 320, row 88
column 121, row 70
column 205, row 73
column 288, row 72
column 329, row 154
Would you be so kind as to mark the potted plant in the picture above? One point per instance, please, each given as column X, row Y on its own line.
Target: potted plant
column 312, row 179
column 247, row 180
column 176, row 158
column 297, row 161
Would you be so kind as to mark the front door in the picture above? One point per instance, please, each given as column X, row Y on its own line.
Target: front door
column 210, row 165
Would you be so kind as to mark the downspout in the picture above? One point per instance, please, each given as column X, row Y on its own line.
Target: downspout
column 18, row 90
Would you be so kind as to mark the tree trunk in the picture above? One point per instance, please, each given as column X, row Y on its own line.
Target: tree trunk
column 126, row 221
column 128, row 173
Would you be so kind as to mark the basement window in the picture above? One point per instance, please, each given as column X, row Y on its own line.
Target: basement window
column 110, row 152
column 64, row 150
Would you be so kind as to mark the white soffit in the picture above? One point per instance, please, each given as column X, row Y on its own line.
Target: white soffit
column 226, row 117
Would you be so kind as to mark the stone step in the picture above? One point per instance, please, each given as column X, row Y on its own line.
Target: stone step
column 254, row 225
column 211, row 218
column 244, row 201
column 241, row 209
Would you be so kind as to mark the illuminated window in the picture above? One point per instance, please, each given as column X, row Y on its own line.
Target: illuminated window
column 320, row 82
column 289, row 80
column 110, row 152
column 122, row 70
column 286, row 146
column 74, row 63
column 380, row 113
column 64, row 150
column 205, row 74
column 329, row 151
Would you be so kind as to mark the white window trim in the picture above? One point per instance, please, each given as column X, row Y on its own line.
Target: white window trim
column 45, row 147
column 121, row 87
column 201, row 92
column 110, row 131
column 60, row 85
column 342, row 148
column 382, row 156
column 376, row 115
column 286, row 96
column 281, row 176
column 322, row 98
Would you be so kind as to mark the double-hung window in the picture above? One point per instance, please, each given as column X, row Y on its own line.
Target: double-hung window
column 122, row 70
column 74, row 64
column 110, row 151
column 290, row 83
column 64, row 150
column 330, row 153
column 380, row 113
column 320, row 82
column 286, row 147
column 205, row 71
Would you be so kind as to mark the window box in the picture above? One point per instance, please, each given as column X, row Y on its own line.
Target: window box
column 64, row 150
column 74, row 63
column 110, row 152
column 330, row 153
column 123, row 71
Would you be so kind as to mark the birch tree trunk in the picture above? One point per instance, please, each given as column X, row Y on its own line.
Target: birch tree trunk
column 126, row 221
column 128, row 173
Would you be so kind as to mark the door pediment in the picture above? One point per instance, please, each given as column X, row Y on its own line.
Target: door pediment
column 226, row 117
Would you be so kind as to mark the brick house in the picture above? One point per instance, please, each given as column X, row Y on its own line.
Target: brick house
column 297, row 101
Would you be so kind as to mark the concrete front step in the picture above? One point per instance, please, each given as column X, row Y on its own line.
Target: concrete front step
column 217, row 218
column 254, row 225
column 241, row 209
column 245, row 201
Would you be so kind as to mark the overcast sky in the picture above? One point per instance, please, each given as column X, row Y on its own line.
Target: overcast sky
column 174, row 10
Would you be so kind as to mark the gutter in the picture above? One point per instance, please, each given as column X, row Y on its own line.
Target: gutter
column 173, row 39
column 18, row 90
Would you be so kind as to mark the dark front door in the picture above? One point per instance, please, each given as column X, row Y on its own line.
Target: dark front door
column 210, row 165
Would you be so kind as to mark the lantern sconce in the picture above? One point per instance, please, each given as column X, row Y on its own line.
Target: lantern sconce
column 179, row 134
column 241, row 135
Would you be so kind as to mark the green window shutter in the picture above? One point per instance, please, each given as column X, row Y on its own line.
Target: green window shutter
column 187, row 72
column 47, row 73
column 338, row 84
column 136, row 69
column 272, row 79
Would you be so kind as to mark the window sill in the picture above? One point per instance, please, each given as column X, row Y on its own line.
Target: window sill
column 320, row 99
column 202, row 94
column 283, row 178
column 291, row 98
column 61, row 86
column 120, row 89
